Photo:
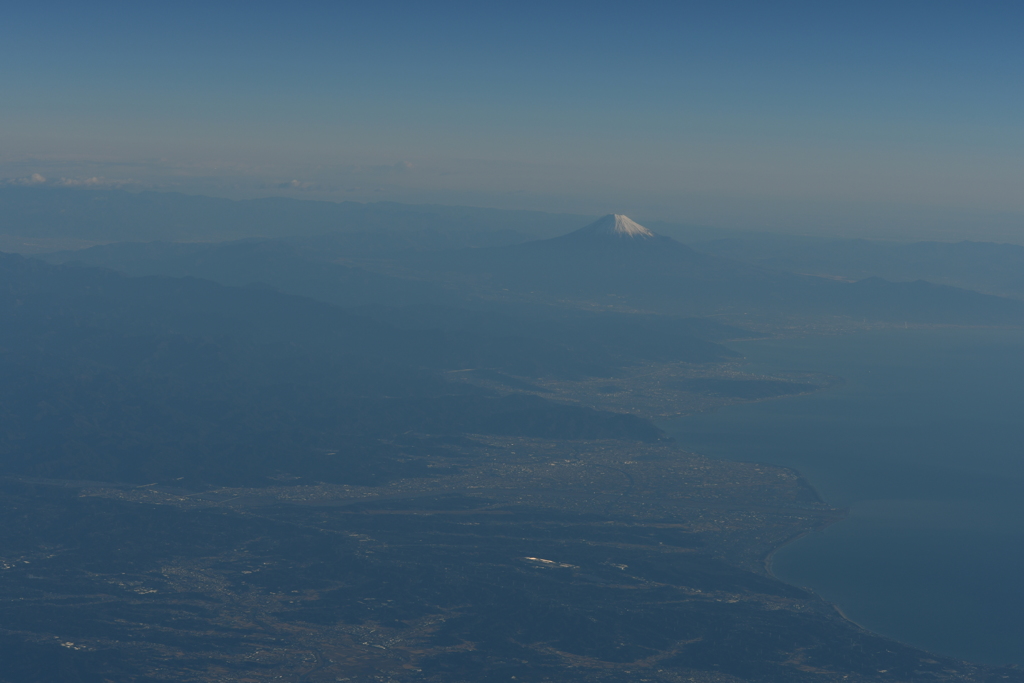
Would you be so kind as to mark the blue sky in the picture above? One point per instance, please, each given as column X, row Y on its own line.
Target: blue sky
column 878, row 119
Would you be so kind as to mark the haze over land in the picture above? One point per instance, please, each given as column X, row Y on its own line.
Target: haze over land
column 406, row 343
column 454, row 388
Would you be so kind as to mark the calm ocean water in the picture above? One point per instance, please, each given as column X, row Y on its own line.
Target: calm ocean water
column 924, row 443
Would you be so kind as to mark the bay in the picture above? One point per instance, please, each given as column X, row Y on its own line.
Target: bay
column 923, row 443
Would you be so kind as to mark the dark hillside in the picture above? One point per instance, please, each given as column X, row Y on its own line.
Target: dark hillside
column 156, row 379
column 273, row 263
column 594, row 339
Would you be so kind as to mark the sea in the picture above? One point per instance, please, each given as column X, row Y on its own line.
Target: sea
column 923, row 443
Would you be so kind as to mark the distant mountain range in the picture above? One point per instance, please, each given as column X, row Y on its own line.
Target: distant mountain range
column 983, row 266
column 611, row 264
column 40, row 220
column 614, row 262
column 119, row 216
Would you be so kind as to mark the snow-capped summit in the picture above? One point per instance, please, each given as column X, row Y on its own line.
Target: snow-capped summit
column 617, row 225
column 613, row 236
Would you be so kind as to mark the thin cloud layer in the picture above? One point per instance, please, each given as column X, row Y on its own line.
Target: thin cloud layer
column 38, row 179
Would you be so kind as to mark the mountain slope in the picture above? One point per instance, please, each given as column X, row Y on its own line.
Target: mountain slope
column 592, row 339
column 274, row 263
column 106, row 377
column 598, row 265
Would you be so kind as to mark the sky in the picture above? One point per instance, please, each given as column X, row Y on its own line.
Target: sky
column 893, row 120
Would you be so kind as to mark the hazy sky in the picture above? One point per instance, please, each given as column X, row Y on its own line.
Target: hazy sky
column 847, row 117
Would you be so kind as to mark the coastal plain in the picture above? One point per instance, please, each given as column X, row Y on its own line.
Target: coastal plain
column 520, row 559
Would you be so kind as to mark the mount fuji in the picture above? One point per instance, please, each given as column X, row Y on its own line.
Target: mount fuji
column 614, row 232
column 616, row 225
column 613, row 263
column 616, row 262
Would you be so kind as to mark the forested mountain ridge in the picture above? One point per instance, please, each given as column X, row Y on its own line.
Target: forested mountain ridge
column 107, row 376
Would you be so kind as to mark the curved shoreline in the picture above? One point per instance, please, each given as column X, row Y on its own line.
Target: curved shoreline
column 768, row 559
column 906, row 421
column 767, row 563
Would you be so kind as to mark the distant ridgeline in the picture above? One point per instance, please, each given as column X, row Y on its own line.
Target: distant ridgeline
column 984, row 266
column 118, row 215
column 46, row 219
column 613, row 264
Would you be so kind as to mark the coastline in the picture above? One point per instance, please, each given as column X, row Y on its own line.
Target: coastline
column 769, row 557
column 906, row 427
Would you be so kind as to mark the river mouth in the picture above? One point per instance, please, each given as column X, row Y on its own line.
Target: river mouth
column 924, row 444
